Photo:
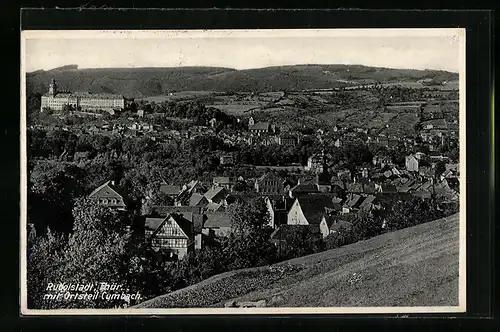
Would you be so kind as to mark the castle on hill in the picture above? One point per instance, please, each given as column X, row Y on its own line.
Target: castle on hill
column 84, row 101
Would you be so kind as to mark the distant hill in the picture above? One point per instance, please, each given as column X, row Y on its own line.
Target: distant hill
column 416, row 266
column 143, row 82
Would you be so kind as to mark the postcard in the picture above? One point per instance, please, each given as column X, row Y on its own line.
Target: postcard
column 242, row 171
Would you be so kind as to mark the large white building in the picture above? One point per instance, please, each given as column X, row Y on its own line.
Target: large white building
column 83, row 101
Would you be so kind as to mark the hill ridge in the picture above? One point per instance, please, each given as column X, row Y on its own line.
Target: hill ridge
column 154, row 81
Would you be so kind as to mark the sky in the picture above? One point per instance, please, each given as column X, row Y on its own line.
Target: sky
column 396, row 48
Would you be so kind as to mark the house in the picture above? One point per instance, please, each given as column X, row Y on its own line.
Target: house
column 367, row 204
column 412, row 163
column 364, row 172
column 216, row 224
column 309, row 210
column 140, row 113
column 406, row 187
column 337, row 143
column 369, row 188
column 212, row 122
column 170, row 190
column 278, row 208
column 172, row 233
column 108, row 194
column 216, row 195
column 344, row 175
column 222, row 181
column 315, row 163
column 427, row 172
column 388, row 189
column 302, row 189
column 187, row 191
column 355, row 187
column 198, row 200
column 270, row 184
column 333, row 224
column 383, row 141
column 323, row 182
column 227, row 159
column 81, row 155
column 287, row 140
column 434, row 124
column 338, row 188
column 352, row 203
column 214, row 207
column 260, row 128
column 190, row 213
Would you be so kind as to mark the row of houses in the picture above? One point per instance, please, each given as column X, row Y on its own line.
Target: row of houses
column 199, row 214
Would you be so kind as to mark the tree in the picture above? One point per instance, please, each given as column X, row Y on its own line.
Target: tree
column 343, row 236
column 366, row 226
column 96, row 252
column 440, row 169
column 248, row 242
column 54, row 186
column 407, row 213
column 43, row 257
column 301, row 241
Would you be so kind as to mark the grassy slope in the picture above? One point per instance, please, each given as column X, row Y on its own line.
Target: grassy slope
column 417, row 266
column 139, row 82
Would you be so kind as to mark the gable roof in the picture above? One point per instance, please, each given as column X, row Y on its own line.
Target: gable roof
column 435, row 122
column 334, row 223
column 196, row 199
column 154, row 224
column 304, row 188
column 213, row 207
column 315, row 206
column 353, row 200
column 168, row 189
column 215, row 192
column 421, row 194
column 260, row 126
column 338, row 183
column 221, row 180
column 389, row 188
column 355, row 187
column 367, row 203
column 269, row 176
column 106, row 190
column 406, row 186
column 217, row 220
column 165, row 210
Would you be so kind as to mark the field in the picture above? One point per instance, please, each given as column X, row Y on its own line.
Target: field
column 236, row 109
column 182, row 95
column 417, row 266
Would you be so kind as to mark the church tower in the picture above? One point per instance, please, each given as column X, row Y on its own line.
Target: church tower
column 53, row 88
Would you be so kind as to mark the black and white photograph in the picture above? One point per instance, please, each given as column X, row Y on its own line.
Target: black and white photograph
column 242, row 171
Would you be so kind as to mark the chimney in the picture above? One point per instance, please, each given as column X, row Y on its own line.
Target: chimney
column 112, row 182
